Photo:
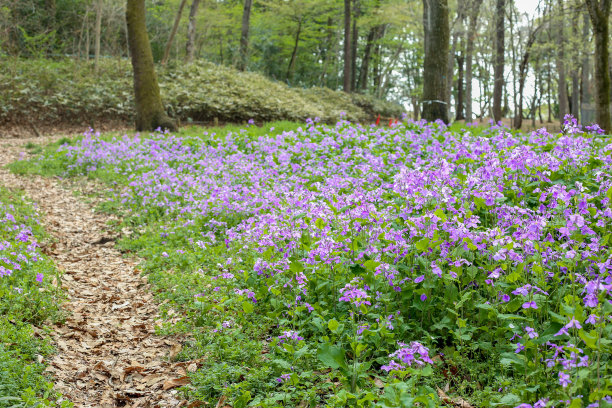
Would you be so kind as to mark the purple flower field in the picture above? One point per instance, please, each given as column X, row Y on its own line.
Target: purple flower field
column 379, row 263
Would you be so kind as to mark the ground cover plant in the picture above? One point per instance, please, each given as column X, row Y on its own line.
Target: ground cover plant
column 62, row 91
column 353, row 265
column 28, row 298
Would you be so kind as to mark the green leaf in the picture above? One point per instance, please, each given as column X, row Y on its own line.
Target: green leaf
column 320, row 224
column 590, row 339
column 296, row 267
column 247, row 307
column 422, row 245
column 440, row 214
column 332, row 356
column 333, row 325
column 609, row 194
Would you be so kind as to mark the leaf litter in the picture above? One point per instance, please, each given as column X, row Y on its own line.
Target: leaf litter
column 107, row 352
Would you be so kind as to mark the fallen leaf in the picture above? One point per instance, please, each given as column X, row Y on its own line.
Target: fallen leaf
column 458, row 401
column 176, row 348
column 176, row 382
column 221, row 401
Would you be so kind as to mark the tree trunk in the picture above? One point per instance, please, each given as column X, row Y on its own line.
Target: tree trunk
column 523, row 68
column 548, row 95
column 460, row 103
column 562, row 87
column 435, row 67
column 354, row 38
column 244, row 35
column 291, row 66
column 600, row 12
column 87, row 43
column 150, row 113
column 97, row 35
column 347, row 46
column 469, row 52
column 177, row 20
column 328, row 50
column 362, row 83
column 585, row 78
column 498, row 75
column 376, row 72
column 191, row 31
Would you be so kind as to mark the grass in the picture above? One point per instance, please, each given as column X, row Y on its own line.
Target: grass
column 29, row 299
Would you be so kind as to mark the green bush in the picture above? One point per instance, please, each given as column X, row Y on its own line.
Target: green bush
column 38, row 90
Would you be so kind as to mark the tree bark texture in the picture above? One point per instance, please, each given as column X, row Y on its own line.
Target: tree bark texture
column 150, row 113
column 600, row 13
column 585, row 75
column 498, row 74
column 469, row 52
column 562, row 86
column 291, row 66
column 97, row 35
column 177, row 20
column 191, row 31
column 347, row 46
column 244, row 35
column 435, row 67
column 362, row 83
column 460, row 102
column 354, row 38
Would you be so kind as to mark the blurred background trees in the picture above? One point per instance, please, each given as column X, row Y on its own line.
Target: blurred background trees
column 505, row 57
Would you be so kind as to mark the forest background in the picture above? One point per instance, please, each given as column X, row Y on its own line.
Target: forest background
column 540, row 53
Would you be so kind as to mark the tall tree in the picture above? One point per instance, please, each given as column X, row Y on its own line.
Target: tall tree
column 600, row 13
column 97, row 37
column 191, row 31
column 522, row 75
column 244, row 35
column 347, row 46
column 575, row 70
column 585, row 82
column 354, row 39
column 498, row 75
column 177, row 20
column 473, row 11
column 150, row 113
column 435, row 66
column 562, row 88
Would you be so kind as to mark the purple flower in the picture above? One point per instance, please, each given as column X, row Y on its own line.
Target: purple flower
column 408, row 355
column 564, row 379
column 519, row 348
column 592, row 319
column 353, row 294
column 39, row 277
column 531, row 304
column 289, row 335
column 573, row 324
column 423, row 297
column 540, row 403
column 283, row 378
column 531, row 332
column 419, row 279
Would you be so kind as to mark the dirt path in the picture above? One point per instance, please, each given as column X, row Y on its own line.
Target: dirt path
column 108, row 355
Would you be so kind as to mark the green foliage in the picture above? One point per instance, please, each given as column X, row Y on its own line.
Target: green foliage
column 28, row 297
column 60, row 91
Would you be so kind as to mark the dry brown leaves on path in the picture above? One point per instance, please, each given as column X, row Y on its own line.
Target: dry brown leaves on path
column 108, row 355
